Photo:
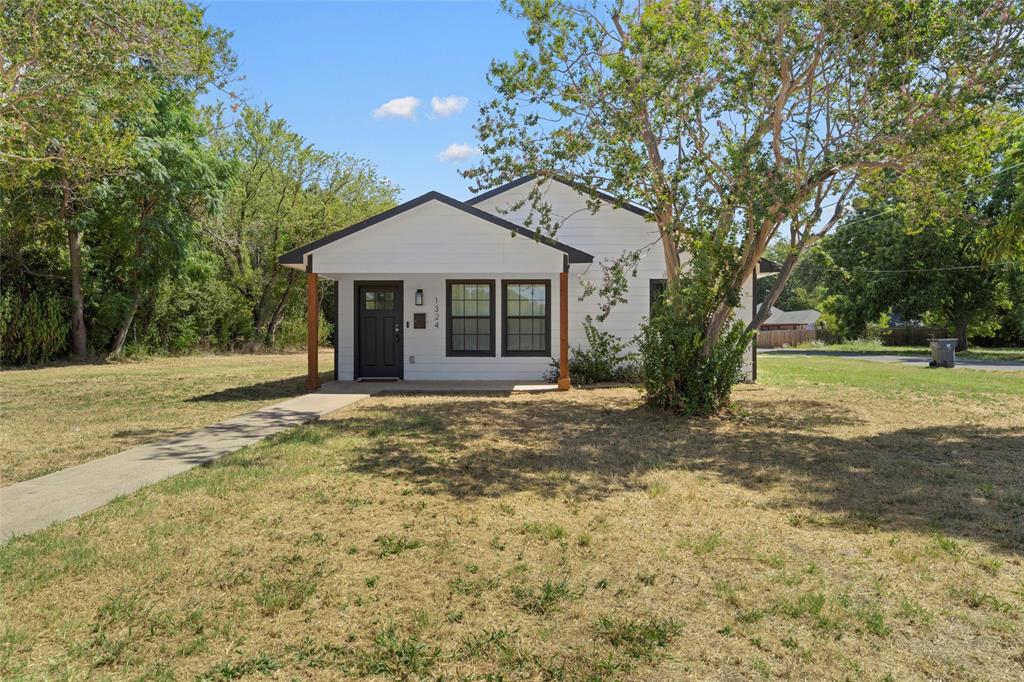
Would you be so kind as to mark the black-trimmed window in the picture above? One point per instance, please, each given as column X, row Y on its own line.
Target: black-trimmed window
column 526, row 325
column 470, row 318
column 658, row 287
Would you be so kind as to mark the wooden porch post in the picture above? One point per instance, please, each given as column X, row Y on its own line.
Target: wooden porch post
column 563, row 329
column 312, row 330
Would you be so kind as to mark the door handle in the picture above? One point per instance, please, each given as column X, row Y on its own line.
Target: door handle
column 397, row 332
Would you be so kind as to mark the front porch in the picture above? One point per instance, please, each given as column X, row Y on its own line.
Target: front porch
column 437, row 387
column 412, row 341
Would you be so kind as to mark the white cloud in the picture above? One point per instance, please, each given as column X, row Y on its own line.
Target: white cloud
column 447, row 106
column 400, row 107
column 458, row 152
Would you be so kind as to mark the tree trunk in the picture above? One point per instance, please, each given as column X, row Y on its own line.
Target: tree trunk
column 961, row 336
column 117, row 347
column 671, row 251
column 78, row 335
column 765, row 309
column 275, row 318
column 122, row 333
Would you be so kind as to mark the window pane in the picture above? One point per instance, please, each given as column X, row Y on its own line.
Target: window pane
column 525, row 318
column 471, row 321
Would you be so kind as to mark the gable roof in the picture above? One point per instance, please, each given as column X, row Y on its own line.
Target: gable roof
column 297, row 256
column 767, row 267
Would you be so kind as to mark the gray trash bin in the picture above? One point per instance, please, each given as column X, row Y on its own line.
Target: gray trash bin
column 943, row 352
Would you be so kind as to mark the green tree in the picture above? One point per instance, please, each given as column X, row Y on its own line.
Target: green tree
column 806, row 288
column 932, row 242
column 146, row 218
column 71, row 74
column 286, row 193
column 733, row 120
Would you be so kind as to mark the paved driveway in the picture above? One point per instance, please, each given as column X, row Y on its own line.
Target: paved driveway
column 912, row 360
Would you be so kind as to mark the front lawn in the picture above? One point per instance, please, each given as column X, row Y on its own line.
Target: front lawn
column 56, row 417
column 862, row 529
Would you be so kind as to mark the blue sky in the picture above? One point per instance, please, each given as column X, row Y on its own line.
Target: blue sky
column 327, row 67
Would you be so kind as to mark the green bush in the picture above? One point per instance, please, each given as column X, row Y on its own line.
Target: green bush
column 292, row 332
column 605, row 359
column 33, row 329
column 195, row 310
column 675, row 376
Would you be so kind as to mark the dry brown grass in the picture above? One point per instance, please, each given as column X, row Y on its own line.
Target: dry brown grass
column 59, row 416
column 821, row 532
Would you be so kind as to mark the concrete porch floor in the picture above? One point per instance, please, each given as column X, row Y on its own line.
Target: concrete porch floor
column 475, row 386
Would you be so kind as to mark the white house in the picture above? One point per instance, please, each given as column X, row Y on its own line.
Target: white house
column 438, row 288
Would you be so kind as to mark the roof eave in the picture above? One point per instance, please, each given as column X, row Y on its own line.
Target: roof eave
column 296, row 257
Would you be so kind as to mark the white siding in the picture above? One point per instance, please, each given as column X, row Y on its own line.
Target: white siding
column 424, row 349
column 606, row 234
column 436, row 238
column 433, row 242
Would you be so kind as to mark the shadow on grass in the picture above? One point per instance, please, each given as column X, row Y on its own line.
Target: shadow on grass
column 961, row 480
column 278, row 389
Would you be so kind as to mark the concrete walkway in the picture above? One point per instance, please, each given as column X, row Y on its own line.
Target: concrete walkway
column 34, row 504
column 911, row 360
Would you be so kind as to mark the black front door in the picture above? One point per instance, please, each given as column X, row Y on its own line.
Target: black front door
column 379, row 331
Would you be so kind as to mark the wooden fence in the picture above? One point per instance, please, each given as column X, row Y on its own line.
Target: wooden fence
column 777, row 338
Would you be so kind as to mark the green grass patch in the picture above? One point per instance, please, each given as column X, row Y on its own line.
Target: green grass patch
column 391, row 545
column 887, row 379
column 639, row 639
column 545, row 599
column 876, row 348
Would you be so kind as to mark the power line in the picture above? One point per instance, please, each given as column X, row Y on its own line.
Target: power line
column 890, row 208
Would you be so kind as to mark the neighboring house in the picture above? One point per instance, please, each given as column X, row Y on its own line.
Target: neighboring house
column 793, row 319
column 438, row 288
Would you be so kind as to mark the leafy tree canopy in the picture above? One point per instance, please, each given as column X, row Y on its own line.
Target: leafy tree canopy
column 732, row 120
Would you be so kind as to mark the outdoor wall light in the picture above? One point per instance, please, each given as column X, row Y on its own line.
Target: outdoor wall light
column 419, row 297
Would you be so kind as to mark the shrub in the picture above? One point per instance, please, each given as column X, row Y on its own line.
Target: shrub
column 675, row 376
column 33, row 329
column 605, row 359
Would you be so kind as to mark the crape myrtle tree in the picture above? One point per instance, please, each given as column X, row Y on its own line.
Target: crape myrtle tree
column 733, row 121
